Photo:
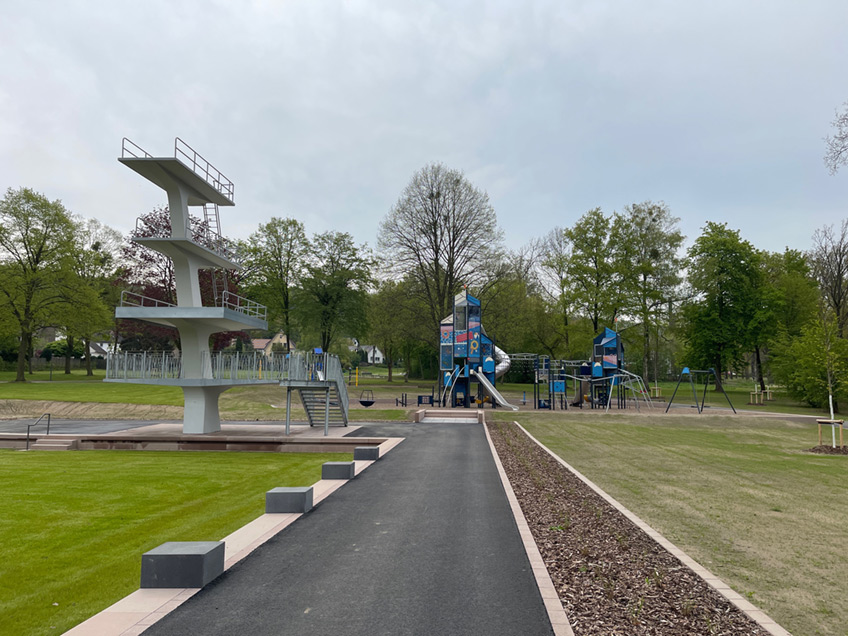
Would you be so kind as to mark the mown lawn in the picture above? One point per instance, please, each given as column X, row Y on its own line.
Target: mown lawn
column 739, row 494
column 107, row 392
column 74, row 524
column 58, row 375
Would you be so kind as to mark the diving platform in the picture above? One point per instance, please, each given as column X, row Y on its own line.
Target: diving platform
column 189, row 181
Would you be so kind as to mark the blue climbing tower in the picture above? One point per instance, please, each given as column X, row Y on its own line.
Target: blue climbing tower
column 467, row 355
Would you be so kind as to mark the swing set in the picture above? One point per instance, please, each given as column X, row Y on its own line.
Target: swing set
column 693, row 373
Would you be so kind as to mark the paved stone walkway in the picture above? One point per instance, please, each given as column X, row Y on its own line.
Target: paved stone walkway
column 421, row 543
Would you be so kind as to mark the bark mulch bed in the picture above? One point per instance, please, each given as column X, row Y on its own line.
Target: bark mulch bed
column 828, row 450
column 611, row 577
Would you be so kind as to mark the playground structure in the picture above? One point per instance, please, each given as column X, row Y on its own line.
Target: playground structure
column 596, row 382
column 191, row 181
column 467, row 355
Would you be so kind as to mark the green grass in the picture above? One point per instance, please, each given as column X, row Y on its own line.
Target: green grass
column 58, row 375
column 75, row 524
column 106, row 392
column 738, row 494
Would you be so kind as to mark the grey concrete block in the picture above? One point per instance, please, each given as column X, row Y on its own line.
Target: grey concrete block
column 338, row 470
column 182, row 564
column 366, row 453
column 291, row 499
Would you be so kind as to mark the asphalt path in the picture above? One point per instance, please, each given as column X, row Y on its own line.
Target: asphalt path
column 69, row 427
column 423, row 542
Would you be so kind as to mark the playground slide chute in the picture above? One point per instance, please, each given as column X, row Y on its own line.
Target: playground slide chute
column 491, row 390
column 502, row 362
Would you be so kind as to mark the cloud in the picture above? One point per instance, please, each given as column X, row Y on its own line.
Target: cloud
column 322, row 110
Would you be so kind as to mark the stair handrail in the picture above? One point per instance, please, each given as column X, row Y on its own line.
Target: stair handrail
column 36, row 423
column 230, row 300
column 132, row 299
column 334, row 373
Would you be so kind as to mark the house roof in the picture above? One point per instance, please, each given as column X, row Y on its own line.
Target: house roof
column 260, row 343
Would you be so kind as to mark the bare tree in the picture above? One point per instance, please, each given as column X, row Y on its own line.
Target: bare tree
column 829, row 258
column 837, row 144
column 441, row 233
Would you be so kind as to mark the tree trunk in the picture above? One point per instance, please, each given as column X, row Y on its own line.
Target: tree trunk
column 389, row 362
column 717, row 370
column 646, row 349
column 29, row 353
column 69, row 351
column 657, row 355
column 760, row 369
column 86, row 343
column 22, row 357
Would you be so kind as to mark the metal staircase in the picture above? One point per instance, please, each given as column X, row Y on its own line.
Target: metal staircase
column 314, row 400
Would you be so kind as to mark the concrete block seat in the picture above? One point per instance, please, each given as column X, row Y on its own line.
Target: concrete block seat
column 366, row 453
column 338, row 470
column 190, row 564
column 289, row 499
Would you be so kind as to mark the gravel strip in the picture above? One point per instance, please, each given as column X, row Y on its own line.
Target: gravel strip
column 612, row 579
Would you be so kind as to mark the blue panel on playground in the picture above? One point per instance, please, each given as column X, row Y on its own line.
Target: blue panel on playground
column 558, row 386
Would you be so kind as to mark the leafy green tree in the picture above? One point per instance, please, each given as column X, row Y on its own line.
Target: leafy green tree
column 275, row 263
column 91, row 295
column 789, row 273
column 442, row 232
column 389, row 319
column 559, row 291
column 814, row 364
column 35, row 244
column 332, row 298
column 646, row 240
column 591, row 269
column 725, row 274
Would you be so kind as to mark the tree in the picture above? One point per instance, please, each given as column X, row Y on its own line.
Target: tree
column 790, row 275
column 590, row 267
column 443, row 233
column 276, row 255
column 333, row 293
column 386, row 309
column 724, row 273
column 829, row 259
column 837, row 144
column 814, row 365
column 35, row 242
column 149, row 273
column 91, row 296
column 646, row 239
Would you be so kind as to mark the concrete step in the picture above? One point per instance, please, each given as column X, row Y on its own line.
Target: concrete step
column 54, row 444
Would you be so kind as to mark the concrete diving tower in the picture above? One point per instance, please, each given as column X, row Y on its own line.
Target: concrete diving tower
column 190, row 180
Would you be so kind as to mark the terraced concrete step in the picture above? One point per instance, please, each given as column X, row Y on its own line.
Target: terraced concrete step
column 54, row 444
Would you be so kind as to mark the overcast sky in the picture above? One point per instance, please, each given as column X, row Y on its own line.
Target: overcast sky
column 322, row 111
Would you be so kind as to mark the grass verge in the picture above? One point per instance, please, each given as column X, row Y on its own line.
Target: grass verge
column 101, row 392
column 57, row 375
column 75, row 524
column 737, row 493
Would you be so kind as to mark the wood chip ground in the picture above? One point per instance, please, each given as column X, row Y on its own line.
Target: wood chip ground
column 612, row 579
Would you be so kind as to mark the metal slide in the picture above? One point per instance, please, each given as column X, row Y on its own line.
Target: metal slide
column 502, row 362
column 496, row 396
column 450, row 385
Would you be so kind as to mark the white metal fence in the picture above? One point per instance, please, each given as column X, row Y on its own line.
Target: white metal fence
column 234, row 366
